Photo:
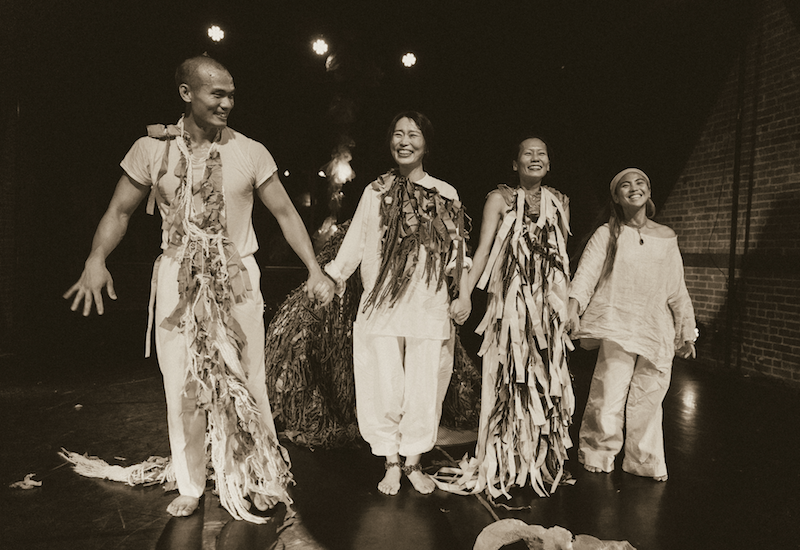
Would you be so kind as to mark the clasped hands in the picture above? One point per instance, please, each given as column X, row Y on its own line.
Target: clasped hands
column 320, row 288
column 460, row 308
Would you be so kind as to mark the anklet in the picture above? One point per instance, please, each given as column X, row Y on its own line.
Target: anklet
column 409, row 469
column 389, row 465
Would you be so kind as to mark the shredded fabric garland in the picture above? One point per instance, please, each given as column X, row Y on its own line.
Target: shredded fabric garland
column 154, row 470
column 247, row 459
column 413, row 215
column 528, row 399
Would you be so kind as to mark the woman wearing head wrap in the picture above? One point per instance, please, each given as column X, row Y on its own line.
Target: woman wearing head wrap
column 629, row 297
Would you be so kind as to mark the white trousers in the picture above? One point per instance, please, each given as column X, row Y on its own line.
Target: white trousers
column 400, row 386
column 627, row 392
column 187, row 423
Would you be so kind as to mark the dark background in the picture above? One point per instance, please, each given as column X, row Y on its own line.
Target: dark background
column 609, row 84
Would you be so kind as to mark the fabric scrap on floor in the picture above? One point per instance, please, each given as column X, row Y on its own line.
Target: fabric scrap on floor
column 508, row 531
column 27, row 483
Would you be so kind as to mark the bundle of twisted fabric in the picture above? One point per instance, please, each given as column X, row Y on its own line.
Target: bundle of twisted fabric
column 309, row 356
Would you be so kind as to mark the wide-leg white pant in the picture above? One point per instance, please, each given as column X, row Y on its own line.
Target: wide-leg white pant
column 627, row 392
column 400, row 386
column 187, row 423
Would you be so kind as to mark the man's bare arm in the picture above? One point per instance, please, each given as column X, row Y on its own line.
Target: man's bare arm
column 274, row 196
column 112, row 227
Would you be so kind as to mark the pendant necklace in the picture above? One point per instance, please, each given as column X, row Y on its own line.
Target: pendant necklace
column 638, row 229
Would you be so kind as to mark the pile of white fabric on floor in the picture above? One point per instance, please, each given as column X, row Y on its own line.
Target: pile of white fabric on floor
column 508, row 531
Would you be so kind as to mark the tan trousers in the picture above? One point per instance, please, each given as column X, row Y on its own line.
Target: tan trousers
column 187, row 423
column 627, row 392
column 400, row 387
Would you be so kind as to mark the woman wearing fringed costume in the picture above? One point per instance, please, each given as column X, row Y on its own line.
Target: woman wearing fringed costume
column 526, row 400
column 407, row 236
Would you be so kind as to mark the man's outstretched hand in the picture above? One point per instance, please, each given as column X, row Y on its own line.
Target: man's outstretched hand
column 89, row 288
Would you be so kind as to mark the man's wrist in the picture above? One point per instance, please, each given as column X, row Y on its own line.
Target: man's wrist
column 95, row 259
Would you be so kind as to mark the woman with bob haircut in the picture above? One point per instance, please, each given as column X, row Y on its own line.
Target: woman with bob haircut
column 407, row 236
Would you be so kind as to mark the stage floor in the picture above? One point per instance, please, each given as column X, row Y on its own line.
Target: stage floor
column 732, row 448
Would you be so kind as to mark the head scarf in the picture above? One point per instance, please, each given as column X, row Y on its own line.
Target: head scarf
column 651, row 207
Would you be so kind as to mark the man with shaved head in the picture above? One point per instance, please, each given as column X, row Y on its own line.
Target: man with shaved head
column 206, row 304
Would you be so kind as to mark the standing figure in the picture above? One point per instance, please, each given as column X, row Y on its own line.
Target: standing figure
column 629, row 295
column 408, row 237
column 526, row 399
column 209, row 312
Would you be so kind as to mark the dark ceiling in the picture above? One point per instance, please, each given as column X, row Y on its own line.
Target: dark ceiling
column 611, row 84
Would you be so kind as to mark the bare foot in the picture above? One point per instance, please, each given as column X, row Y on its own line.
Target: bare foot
column 592, row 469
column 183, row 506
column 263, row 502
column 421, row 481
column 390, row 484
column 661, row 478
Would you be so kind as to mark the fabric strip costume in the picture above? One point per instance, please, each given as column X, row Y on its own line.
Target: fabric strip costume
column 527, row 399
column 246, row 457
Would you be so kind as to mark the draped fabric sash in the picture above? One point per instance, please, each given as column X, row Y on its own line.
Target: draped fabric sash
column 246, row 457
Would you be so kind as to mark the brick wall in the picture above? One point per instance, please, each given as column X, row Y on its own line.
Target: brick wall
column 762, row 333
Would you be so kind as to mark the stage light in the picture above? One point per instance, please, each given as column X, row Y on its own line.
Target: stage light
column 409, row 59
column 321, row 173
column 286, row 173
column 319, row 46
column 215, row 33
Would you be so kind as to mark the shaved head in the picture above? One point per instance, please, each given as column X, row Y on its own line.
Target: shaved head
column 191, row 71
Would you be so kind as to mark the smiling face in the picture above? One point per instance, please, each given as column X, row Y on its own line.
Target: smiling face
column 532, row 162
column 209, row 96
column 407, row 145
column 632, row 192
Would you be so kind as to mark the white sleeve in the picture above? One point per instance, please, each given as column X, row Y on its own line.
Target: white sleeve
column 680, row 303
column 263, row 163
column 138, row 160
column 591, row 264
column 351, row 252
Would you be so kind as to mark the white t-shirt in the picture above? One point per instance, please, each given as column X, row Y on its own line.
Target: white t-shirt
column 246, row 165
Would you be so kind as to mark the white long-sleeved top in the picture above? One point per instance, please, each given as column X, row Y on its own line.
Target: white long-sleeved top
column 643, row 305
column 422, row 311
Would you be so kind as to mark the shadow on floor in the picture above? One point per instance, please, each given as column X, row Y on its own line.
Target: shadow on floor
column 731, row 450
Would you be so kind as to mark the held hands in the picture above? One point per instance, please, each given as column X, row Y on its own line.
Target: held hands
column 320, row 288
column 573, row 324
column 89, row 288
column 460, row 308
